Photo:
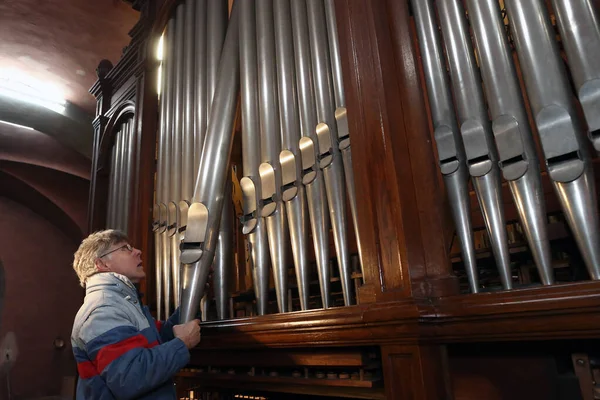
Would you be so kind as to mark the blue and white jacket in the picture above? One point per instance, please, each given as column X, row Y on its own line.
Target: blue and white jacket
column 120, row 350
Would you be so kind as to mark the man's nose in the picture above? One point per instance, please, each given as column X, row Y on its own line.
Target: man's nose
column 137, row 251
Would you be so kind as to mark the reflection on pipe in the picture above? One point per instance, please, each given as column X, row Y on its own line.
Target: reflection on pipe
column 292, row 191
column 270, row 170
column 447, row 135
column 170, row 71
column 560, row 129
column 482, row 158
column 217, row 25
column 341, row 117
column 330, row 159
column 580, row 32
column 204, row 216
column 516, row 150
column 253, row 223
column 311, row 174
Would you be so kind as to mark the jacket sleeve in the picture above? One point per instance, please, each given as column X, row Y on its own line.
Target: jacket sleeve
column 128, row 362
column 165, row 328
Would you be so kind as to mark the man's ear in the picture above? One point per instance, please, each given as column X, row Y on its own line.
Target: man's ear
column 101, row 265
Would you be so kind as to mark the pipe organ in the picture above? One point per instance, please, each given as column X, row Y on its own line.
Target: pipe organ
column 119, row 187
column 468, row 212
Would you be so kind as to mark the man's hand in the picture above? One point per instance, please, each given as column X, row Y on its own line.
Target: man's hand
column 189, row 333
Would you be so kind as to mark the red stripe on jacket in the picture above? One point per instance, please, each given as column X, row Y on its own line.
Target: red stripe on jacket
column 108, row 354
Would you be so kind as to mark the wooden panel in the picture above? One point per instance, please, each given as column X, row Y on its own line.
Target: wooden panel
column 282, row 358
column 561, row 311
column 428, row 186
column 415, row 373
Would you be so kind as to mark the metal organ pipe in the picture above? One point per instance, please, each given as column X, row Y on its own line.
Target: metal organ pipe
column 311, row 174
column 341, row 115
column 204, row 216
column 270, row 170
column 292, row 191
column 481, row 152
column 561, row 131
column 253, row 223
column 330, row 160
column 579, row 27
column 217, row 26
column 168, row 96
column 447, row 135
column 201, row 97
column 516, row 149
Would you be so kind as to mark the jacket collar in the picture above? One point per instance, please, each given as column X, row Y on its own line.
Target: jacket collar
column 110, row 281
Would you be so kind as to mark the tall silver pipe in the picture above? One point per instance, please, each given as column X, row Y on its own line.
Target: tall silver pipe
column 201, row 96
column 330, row 158
column 481, row 152
column 224, row 255
column 204, row 217
column 112, row 190
column 253, row 223
column 561, row 131
column 516, row 150
column 448, row 139
column 292, row 191
column 159, row 209
column 579, row 26
column 217, row 26
column 341, row 116
column 270, row 169
column 189, row 76
column 170, row 217
column 176, row 150
column 311, row 174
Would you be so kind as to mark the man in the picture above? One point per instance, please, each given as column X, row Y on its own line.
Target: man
column 121, row 351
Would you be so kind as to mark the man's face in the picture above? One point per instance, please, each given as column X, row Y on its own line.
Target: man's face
column 122, row 259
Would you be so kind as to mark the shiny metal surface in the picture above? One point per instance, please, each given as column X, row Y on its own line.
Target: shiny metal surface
column 487, row 188
column 217, row 17
column 278, row 237
column 189, row 75
column 224, row 255
column 518, row 159
column 561, row 131
column 312, row 178
column 295, row 202
column 334, row 172
column 475, row 128
column 271, row 146
column 214, row 169
column 341, row 116
column 258, row 250
column 200, row 93
column 579, row 26
column 251, row 154
column 158, row 274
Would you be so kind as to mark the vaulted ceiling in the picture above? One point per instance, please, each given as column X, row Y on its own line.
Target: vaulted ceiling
column 59, row 42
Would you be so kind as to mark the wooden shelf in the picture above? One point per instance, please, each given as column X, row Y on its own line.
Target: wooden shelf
column 561, row 311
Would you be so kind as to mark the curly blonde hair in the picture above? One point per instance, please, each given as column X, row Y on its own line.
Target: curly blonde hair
column 84, row 261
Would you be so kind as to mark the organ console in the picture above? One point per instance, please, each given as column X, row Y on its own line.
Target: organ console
column 387, row 198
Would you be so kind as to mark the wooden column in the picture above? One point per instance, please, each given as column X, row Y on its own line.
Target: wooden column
column 401, row 207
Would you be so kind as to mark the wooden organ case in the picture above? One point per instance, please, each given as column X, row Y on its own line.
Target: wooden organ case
column 418, row 313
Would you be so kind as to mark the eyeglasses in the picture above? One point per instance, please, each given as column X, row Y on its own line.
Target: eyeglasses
column 125, row 246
